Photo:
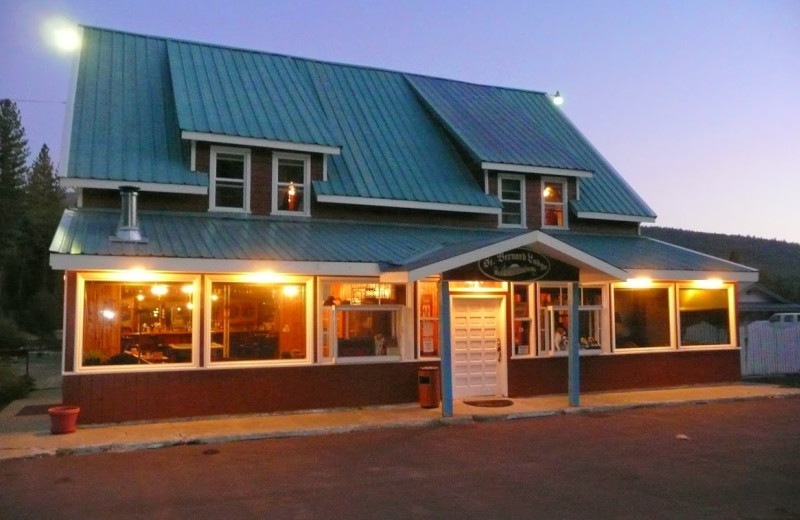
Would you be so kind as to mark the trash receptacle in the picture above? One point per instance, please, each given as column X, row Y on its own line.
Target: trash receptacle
column 429, row 392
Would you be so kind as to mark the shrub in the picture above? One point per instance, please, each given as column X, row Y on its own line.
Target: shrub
column 13, row 386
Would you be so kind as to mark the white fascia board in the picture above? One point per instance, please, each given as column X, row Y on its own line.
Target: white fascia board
column 68, row 182
column 261, row 143
column 407, row 204
column 615, row 217
column 725, row 276
column 540, row 170
column 204, row 265
column 66, row 132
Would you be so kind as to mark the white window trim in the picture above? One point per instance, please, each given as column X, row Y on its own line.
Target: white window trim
column 732, row 323
column 405, row 315
column 308, row 281
column 606, row 335
column 672, row 320
column 212, row 191
column 533, row 335
column 523, row 209
column 132, row 277
column 306, row 209
column 564, row 211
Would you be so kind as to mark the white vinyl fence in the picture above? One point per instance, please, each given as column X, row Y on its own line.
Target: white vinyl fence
column 770, row 348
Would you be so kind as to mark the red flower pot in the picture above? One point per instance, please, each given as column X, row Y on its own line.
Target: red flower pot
column 63, row 419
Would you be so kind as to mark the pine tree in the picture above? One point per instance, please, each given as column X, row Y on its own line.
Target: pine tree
column 39, row 286
column 13, row 159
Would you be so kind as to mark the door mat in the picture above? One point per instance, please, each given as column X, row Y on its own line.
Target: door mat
column 490, row 403
column 35, row 409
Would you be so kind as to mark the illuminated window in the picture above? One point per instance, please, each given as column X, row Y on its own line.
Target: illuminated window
column 258, row 321
column 522, row 319
column 230, row 179
column 141, row 324
column 512, row 194
column 705, row 316
column 290, row 183
column 428, row 305
column 642, row 317
column 554, row 203
column 361, row 319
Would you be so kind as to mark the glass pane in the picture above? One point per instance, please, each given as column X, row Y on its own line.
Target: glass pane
column 512, row 213
column 521, row 301
column 589, row 323
column 137, row 323
column 251, row 321
column 291, row 170
column 363, row 293
column 229, row 196
column 522, row 337
column 367, row 333
column 704, row 317
column 290, row 198
column 553, row 192
column 230, row 166
column 511, row 189
column 429, row 337
column 553, row 216
column 553, row 296
column 641, row 318
column 591, row 296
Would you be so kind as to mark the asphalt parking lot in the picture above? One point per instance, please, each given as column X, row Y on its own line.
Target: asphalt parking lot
column 736, row 460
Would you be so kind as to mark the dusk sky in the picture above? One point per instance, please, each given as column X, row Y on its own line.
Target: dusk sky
column 695, row 102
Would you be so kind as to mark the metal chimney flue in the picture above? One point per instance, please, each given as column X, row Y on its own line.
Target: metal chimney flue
column 128, row 228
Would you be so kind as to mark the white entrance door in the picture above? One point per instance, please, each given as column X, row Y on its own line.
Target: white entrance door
column 477, row 332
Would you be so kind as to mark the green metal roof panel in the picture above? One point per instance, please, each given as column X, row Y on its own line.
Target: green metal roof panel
column 511, row 126
column 393, row 148
column 210, row 236
column 244, row 93
column 638, row 252
column 123, row 124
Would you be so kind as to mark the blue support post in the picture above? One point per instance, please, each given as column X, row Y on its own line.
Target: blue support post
column 445, row 352
column 574, row 382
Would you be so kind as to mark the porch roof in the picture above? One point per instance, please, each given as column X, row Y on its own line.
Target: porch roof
column 206, row 242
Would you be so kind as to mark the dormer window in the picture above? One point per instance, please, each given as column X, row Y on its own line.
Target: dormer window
column 229, row 179
column 554, row 203
column 511, row 189
column 290, row 184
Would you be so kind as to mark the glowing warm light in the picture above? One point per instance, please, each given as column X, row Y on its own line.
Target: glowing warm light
column 190, row 305
column 548, row 191
column 291, row 290
column 264, row 277
column 159, row 290
column 187, row 289
column 711, row 283
column 108, row 314
column 292, row 189
column 140, row 297
column 62, row 34
column 639, row 282
column 214, row 297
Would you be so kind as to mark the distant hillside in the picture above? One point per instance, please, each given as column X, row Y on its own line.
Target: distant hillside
column 778, row 261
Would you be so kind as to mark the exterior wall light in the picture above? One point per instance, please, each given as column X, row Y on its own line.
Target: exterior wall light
column 558, row 99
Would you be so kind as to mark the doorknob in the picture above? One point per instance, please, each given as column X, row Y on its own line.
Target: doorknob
column 499, row 351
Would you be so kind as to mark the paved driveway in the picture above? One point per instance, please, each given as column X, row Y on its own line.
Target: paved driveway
column 727, row 461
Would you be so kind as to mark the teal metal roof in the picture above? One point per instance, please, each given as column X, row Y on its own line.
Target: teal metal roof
column 123, row 124
column 210, row 236
column 518, row 127
column 136, row 94
column 243, row 93
column 636, row 252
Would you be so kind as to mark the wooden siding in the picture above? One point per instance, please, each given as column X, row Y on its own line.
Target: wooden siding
column 529, row 377
column 192, row 393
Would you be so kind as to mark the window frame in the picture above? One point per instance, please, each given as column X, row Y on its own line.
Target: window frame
column 246, row 181
column 671, row 310
column 522, row 205
column 403, row 320
column 731, row 298
column 564, row 203
column 127, row 277
column 307, row 281
column 305, row 211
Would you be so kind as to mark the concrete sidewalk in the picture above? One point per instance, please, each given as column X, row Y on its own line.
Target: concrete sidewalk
column 29, row 435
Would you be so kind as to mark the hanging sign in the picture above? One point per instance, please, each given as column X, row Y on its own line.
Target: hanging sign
column 517, row 265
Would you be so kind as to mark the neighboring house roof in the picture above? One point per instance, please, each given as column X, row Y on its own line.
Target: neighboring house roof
column 391, row 135
column 396, row 252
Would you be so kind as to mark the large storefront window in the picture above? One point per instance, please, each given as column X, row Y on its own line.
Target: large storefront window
column 137, row 323
column 361, row 319
column 705, row 316
column 642, row 317
column 253, row 321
